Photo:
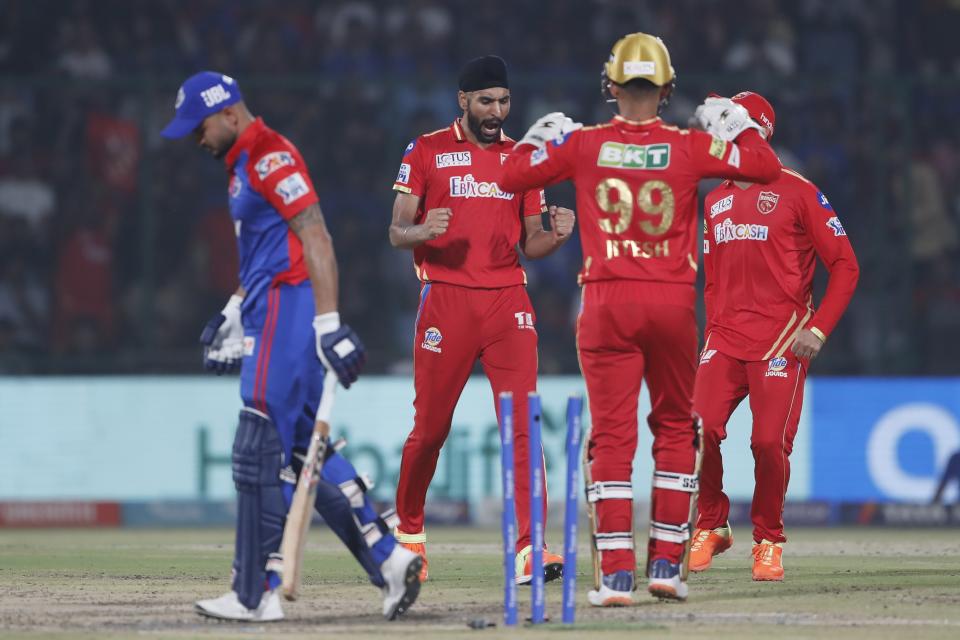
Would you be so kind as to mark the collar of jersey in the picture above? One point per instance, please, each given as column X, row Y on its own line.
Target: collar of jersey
column 639, row 124
column 459, row 135
column 244, row 141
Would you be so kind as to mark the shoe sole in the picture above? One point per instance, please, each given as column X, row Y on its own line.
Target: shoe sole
column 768, row 578
column 412, row 582
column 616, row 601
column 213, row 616
column 664, row 592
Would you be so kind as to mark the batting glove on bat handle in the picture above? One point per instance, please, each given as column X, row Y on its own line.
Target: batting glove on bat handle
column 339, row 348
column 222, row 338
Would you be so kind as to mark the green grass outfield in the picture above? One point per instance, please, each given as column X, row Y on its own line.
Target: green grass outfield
column 852, row 583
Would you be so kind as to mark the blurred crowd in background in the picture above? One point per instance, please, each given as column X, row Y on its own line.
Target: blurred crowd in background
column 116, row 245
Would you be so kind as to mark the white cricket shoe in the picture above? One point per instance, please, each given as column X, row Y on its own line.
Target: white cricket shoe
column 228, row 607
column 616, row 590
column 401, row 575
column 665, row 580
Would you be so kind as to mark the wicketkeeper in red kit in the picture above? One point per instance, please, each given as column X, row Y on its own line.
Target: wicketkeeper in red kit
column 636, row 180
column 465, row 231
column 760, row 246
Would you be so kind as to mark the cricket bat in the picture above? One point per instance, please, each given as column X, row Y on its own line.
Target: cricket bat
column 301, row 507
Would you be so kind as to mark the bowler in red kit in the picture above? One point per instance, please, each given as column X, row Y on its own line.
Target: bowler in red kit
column 636, row 180
column 761, row 243
column 465, row 231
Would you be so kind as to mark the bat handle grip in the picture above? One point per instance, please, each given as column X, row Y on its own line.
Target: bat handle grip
column 326, row 400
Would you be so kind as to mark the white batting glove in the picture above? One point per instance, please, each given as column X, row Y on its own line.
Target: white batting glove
column 725, row 119
column 222, row 338
column 553, row 125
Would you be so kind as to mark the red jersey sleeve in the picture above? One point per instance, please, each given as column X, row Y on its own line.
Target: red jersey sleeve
column 279, row 174
column 529, row 168
column 748, row 158
column 534, row 202
column 833, row 248
column 412, row 176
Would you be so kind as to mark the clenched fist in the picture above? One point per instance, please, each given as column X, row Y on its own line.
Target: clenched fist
column 807, row 345
column 562, row 220
column 436, row 222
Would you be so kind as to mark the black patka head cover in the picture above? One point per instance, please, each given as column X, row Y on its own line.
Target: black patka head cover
column 484, row 72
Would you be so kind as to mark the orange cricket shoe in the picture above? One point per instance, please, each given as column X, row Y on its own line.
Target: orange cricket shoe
column 708, row 543
column 416, row 542
column 552, row 565
column 767, row 561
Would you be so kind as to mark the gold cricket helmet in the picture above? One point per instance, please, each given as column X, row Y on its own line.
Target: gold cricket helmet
column 639, row 55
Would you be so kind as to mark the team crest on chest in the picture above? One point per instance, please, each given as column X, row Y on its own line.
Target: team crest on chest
column 767, row 202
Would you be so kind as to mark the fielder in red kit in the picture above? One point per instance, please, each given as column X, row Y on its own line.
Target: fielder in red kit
column 636, row 181
column 465, row 231
column 760, row 248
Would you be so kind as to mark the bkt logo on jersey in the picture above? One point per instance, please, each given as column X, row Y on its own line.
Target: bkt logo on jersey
column 776, row 368
column 722, row 205
column 524, row 320
column 431, row 340
column 456, row 159
column 834, row 223
column 273, row 161
column 634, row 156
column 468, row 187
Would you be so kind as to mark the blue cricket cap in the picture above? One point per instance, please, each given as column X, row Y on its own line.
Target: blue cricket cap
column 201, row 95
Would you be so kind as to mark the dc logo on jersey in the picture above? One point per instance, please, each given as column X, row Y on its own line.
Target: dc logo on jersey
column 822, row 199
column 834, row 223
column 431, row 340
column 235, row 186
column 249, row 342
column 775, row 369
column 409, row 148
column 767, row 201
column 273, row 161
column 291, row 188
column 721, row 205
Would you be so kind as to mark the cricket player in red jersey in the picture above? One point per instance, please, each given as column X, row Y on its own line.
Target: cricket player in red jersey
column 636, row 181
column 760, row 248
column 464, row 230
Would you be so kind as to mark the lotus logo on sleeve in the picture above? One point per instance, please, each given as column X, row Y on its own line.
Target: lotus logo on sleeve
column 431, row 340
column 273, row 161
column 775, row 369
column 455, row 159
column 721, row 205
column 468, row 187
column 767, row 201
column 834, row 224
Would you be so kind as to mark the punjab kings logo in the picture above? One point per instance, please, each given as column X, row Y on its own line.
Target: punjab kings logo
column 775, row 369
column 767, row 201
column 431, row 340
column 235, row 186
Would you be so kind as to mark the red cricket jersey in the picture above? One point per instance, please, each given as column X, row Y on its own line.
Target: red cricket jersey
column 444, row 169
column 760, row 247
column 636, row 188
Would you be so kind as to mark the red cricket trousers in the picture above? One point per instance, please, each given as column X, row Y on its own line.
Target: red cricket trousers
column 456, row 326
column 629, row 331
column 776, row 397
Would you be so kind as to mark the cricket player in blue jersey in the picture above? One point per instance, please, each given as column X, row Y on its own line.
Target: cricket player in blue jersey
column 283, row 330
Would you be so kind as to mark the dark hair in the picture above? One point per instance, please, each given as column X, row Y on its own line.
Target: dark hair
column 640, row 86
